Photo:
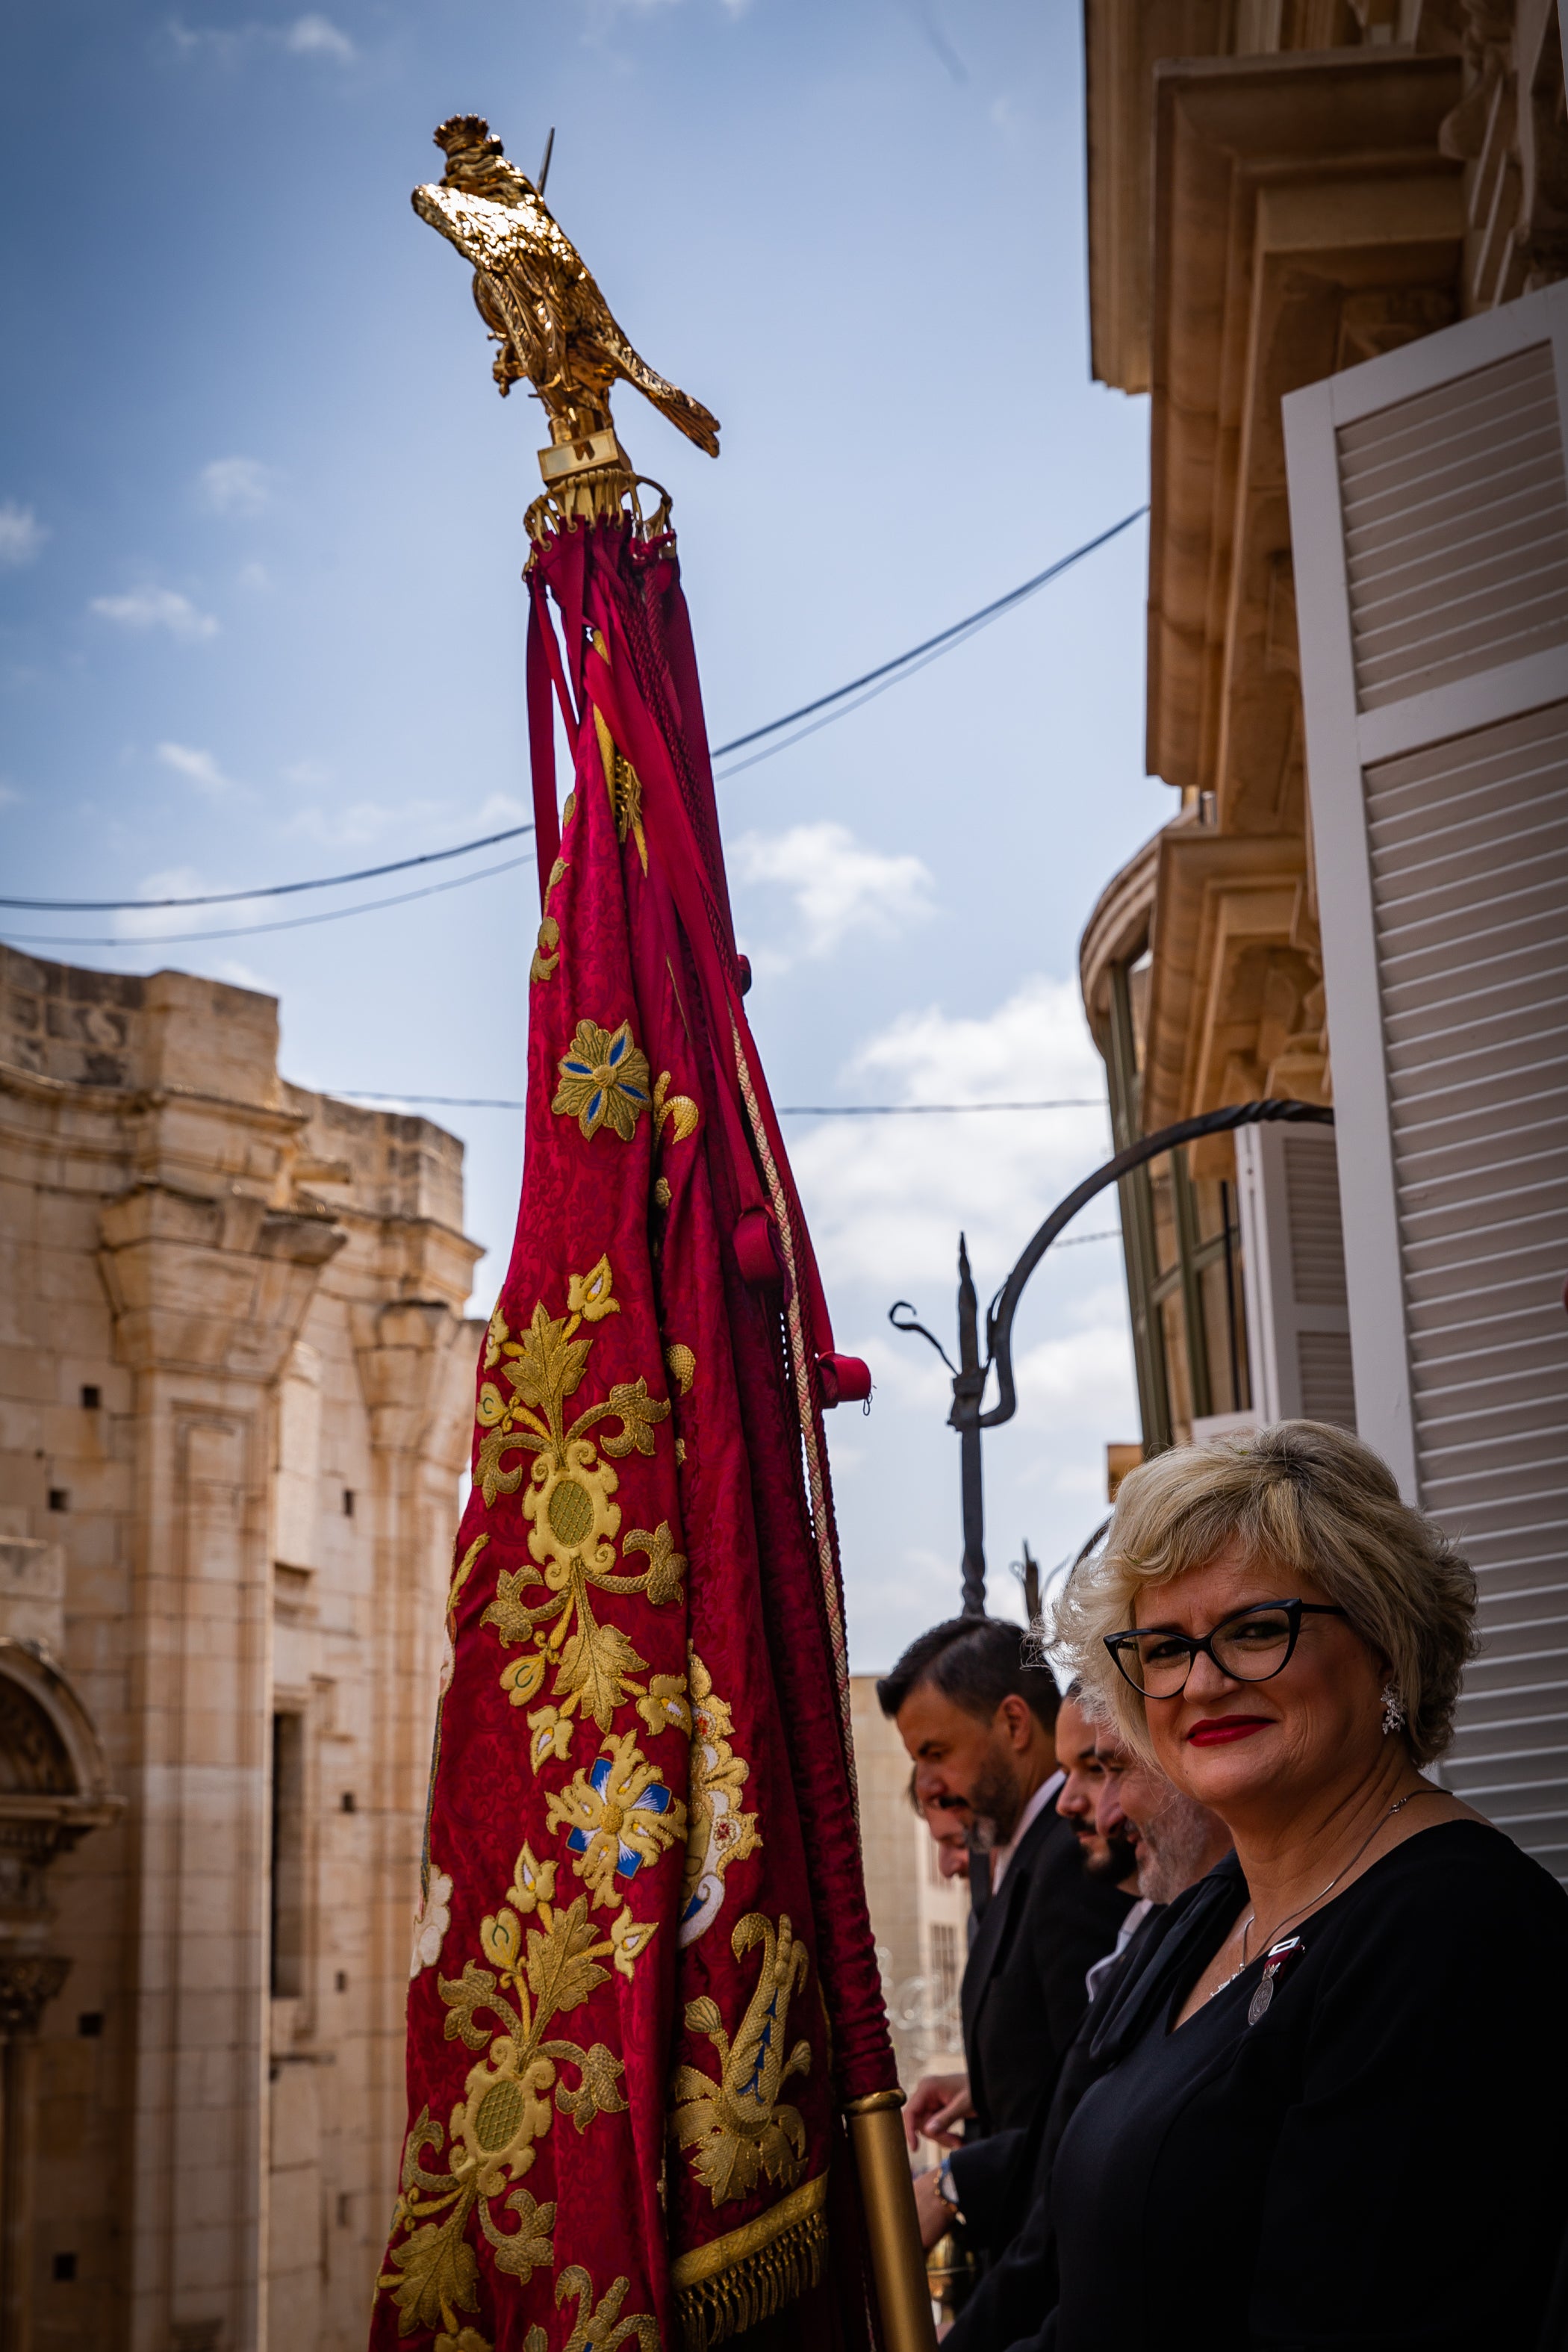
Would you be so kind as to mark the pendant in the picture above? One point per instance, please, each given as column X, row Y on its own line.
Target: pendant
column 1280, row 1958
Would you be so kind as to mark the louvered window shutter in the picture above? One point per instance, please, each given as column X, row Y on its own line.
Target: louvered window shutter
column 1429, row 521
column 1293, row 1262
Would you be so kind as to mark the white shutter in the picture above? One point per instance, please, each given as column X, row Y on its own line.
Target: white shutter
column 1293, row 1265
column 1429, row 515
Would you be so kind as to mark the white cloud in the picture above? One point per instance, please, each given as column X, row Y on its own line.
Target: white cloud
column 887, row 1197
column 234, row 485
column 241, row 975
column 199, row 768
column 156, row 608
column 10, row 797
column 365, row 821
column 255, row 577
column 308, row 37
column 839, row 887
column 318, row 36
column 21, row 533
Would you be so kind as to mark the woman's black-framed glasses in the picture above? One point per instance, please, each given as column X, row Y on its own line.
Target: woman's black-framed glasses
column 1249, row 1647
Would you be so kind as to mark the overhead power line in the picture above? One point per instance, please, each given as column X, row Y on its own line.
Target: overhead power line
column 786, row 1111
column 836, row 705
column 892, row 673
column 251, row 930
column 266, row 890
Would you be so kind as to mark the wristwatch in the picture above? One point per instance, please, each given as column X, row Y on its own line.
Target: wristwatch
column 945, row 2189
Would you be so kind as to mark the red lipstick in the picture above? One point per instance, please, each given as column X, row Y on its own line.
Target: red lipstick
column 1216, row 1730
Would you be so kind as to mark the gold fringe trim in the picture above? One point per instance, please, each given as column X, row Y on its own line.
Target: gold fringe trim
column 727, row 2287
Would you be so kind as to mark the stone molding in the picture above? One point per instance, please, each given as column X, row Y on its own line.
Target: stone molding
column 209, row 1284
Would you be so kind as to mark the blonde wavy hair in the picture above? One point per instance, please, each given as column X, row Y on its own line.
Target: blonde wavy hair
column 1312, row 1501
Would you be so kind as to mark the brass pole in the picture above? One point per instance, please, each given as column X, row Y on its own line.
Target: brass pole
column 887, row 2194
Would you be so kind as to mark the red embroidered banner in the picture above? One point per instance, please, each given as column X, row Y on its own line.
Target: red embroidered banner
column 644, row 1984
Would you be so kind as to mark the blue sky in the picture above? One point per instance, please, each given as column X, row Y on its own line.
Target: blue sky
column 260, row 532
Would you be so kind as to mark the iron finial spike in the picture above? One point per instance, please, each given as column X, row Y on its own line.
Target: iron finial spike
column 544, row 167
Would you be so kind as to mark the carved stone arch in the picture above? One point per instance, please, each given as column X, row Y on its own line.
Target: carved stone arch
column 54, row 1783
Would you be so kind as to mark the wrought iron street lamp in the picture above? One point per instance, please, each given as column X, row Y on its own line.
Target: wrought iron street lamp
column 970, row 1375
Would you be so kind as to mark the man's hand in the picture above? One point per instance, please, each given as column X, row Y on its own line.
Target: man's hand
column 940, row 2101
column 934, row 2212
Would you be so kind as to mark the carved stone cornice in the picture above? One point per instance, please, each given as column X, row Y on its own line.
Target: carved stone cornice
column 209, row 1284
column 417, row 1376
column 1284, row 188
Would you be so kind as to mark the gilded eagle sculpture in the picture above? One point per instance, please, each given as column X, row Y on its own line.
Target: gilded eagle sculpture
column 537, row 296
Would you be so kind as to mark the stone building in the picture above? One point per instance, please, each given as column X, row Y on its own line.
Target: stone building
column 1328, row 238
column 235, row 1400
column 920, row 1919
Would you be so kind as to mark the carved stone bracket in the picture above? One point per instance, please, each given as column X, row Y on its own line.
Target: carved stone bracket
column 28, row 1983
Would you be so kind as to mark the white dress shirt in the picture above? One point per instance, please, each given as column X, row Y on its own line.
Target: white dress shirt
column 1001, row 1855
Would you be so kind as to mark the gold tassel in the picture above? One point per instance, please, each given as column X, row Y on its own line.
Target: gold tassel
column 754, row 2286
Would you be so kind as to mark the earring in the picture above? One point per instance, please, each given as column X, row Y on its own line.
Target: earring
column 1392, row 1712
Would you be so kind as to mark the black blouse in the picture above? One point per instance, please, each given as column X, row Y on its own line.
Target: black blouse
column 1380, row 2164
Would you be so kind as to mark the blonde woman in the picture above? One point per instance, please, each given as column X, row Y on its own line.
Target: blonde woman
column 1334, row 2116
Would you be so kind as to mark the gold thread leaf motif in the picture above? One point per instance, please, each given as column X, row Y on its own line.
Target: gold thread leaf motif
column 545, row 957
column 508, row 2099
column 621, row 779
column 600, row 2326
column 546, row 1603
column 683, row 1366
column 734, row 2129
column 604, row 1080
column 676, row 1109
column 719, row 1832
column 618, row 1815
column 666, row 1565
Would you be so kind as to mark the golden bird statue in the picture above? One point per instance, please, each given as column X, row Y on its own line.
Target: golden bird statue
column 538, row 297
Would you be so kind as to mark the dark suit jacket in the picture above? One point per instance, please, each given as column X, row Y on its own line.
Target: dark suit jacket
column 1024, row 1992
column 1004, row 2182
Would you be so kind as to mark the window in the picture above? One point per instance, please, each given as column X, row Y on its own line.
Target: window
column 1181, row 1240
column 287, row 1938
column 942, row 1970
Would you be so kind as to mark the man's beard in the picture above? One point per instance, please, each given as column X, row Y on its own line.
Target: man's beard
column 1119, row 1861
column 1173, row 1843
column 996, row 1800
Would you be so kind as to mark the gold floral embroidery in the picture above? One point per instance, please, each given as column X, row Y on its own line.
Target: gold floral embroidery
column 683, row 1366
column 600, row 2327
column 681, row 1108
column 508, row 2099
column 661, row 1192
column 621, row 779
column 604, row 1080
column 734, row 2129
column 544, row 960
column 574, row 1523
column 618, row 1815
column 719, row 1832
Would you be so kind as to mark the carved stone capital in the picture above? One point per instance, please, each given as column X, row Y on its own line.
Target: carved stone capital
column 211, row 1283
column 418, row 1403
column 28, row 1983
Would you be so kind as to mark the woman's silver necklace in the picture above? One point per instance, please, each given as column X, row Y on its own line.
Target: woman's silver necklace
column 1312, row 1901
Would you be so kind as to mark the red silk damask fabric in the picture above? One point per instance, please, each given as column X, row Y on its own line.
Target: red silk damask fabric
column 643, row 1983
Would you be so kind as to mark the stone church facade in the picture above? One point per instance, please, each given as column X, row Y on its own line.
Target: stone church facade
column 235, row 1384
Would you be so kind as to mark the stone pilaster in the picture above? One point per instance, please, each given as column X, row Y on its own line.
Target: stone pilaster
column 208, row 1293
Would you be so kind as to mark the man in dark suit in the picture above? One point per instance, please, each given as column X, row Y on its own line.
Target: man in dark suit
column 978, row 1722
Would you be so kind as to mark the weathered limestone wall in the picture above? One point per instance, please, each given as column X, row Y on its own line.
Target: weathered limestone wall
column 235, row 1393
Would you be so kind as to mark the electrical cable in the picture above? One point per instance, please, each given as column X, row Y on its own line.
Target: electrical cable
column 877, row 680
column 784, row 1111
column 267, row 890
column 296, row 923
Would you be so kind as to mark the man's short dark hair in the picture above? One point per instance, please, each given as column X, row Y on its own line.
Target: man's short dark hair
column 976, row 1662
